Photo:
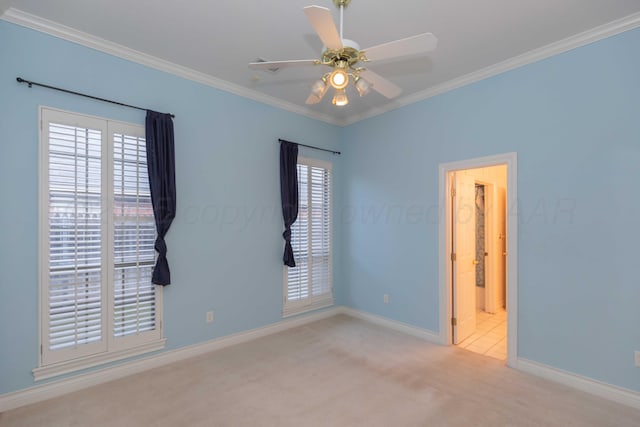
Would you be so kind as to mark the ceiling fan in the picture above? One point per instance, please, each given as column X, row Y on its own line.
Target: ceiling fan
column 346, row 58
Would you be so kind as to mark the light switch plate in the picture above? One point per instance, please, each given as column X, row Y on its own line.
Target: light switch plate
column 638, row 359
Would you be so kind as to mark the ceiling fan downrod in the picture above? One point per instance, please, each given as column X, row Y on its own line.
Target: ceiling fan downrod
column 341, row 4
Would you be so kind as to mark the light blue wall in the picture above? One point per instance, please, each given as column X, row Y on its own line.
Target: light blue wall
column 574, row 121
column 225, row 244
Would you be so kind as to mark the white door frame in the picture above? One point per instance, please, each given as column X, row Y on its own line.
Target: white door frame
column 445, row 279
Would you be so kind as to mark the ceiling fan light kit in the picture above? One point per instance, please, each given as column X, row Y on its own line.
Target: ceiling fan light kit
column 339, row 78
column 344, row 56
column 362, row 86
column 340, row 98
column 319, row 88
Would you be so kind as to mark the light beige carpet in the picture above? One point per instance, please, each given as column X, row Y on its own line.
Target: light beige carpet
column 335, row 372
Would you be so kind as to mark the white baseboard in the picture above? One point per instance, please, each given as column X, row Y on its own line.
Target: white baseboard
column 67, row 385
column 425, row 334
column 589, row 385
column 607, row 391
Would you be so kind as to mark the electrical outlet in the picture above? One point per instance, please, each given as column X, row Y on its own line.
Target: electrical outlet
column 386, row 299
column 209, row 316
column 638, row 359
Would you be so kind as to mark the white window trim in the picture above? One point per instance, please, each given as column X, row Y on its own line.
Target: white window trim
column 295, row 308
column 50, row 371
column 299, row 307
column 114, row 351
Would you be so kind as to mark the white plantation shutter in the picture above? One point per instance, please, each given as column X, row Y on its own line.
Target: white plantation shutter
column 320, row 232
column 75, row 295
column 308, row 284
column 97, row 233
column 298, row 277
column 134, row 296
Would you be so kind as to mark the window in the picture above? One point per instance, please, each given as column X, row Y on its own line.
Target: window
column 308, row 285
column 97, row 233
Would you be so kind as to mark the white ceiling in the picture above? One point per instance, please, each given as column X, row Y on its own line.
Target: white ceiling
column 218, row 38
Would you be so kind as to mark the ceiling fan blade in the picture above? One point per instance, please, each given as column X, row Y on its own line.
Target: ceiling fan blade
column 380, row 84
column 322, row 22
column 421, row 43
column 270, row 65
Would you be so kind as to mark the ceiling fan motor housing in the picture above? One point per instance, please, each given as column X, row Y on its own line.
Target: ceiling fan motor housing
column 350, row 53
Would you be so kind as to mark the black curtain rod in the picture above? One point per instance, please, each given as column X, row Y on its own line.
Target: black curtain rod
column 311, row 146
column 30, row 83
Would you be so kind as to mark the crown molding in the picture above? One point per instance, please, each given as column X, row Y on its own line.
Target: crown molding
column 18, row 17
column 55, row 29
column 590, row 36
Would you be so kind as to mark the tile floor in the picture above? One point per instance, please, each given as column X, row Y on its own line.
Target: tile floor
column 490, row 337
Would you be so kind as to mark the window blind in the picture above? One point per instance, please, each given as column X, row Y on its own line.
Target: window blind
column 134, row 236
column 308, row 284
column 75, row 293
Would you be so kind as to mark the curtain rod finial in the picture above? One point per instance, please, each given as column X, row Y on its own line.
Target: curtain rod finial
column 21, row 80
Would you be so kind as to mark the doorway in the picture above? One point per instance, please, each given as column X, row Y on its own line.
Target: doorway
column 478, row 255
column 478, row 260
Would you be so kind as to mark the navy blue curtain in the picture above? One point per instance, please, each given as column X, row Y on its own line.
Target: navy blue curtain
column 288, row 194
column 162, row 182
